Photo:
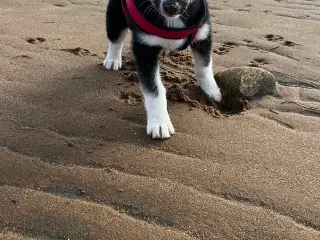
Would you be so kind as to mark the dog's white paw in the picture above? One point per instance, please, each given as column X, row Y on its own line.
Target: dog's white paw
column 213, row 91
column 160, row 128
column 205, row 77
column 114, row 62
column 114, row 56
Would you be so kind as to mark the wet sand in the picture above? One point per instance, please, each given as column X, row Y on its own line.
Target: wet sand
column 76, row 162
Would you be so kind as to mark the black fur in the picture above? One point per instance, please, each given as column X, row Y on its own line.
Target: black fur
column 146, row 57
column 203, row 48
column 115, row 20
column 146, row 63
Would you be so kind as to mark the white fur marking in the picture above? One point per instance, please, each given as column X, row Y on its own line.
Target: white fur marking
column 202, row 32
column 167, row 44
column 206, row 79
column 114, row 55
column 159, row 125
column 174, row 22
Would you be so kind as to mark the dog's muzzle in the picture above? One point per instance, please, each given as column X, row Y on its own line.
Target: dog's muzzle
column 171, row 7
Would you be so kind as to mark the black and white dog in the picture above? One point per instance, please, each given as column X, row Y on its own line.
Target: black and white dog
column 158, row 25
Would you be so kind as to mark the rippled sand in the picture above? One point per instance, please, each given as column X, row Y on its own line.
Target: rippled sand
column 76, row 163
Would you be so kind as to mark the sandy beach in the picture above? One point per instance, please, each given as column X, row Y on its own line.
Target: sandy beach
column 76, row 162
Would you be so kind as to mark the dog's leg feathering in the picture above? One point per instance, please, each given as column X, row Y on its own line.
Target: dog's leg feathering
column 201, row 51
column 159, row 125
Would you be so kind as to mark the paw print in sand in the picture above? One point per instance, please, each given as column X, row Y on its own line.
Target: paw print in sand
column 36, row 40
column 225, row 48
column 257, row 62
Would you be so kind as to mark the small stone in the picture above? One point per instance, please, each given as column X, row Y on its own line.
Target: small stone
column 248, row 81
column 241, row 83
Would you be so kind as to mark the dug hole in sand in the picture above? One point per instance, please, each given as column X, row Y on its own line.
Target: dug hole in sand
column 76, row 162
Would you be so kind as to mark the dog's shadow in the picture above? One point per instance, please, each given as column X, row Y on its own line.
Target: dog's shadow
column 89, row 103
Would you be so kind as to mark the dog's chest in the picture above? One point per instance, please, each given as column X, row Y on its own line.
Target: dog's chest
column 167, row 44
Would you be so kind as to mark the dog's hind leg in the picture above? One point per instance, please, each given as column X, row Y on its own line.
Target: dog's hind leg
column 117, row 29
column 201, row 51
column 159, row 125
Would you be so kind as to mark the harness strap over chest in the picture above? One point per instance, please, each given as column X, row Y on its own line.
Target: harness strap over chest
column 130, row 9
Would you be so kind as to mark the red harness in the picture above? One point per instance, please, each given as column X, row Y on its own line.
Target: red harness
column 129, row 8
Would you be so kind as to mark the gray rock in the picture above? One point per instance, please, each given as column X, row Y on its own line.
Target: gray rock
column 246, row 82
column 241, row 83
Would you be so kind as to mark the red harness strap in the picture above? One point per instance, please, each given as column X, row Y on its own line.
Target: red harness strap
column 129, row 8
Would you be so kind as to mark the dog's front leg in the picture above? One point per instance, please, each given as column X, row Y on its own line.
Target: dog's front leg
column 201, row 51
column 159, row 125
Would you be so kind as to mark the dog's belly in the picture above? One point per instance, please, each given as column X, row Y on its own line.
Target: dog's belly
column 167, row 44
